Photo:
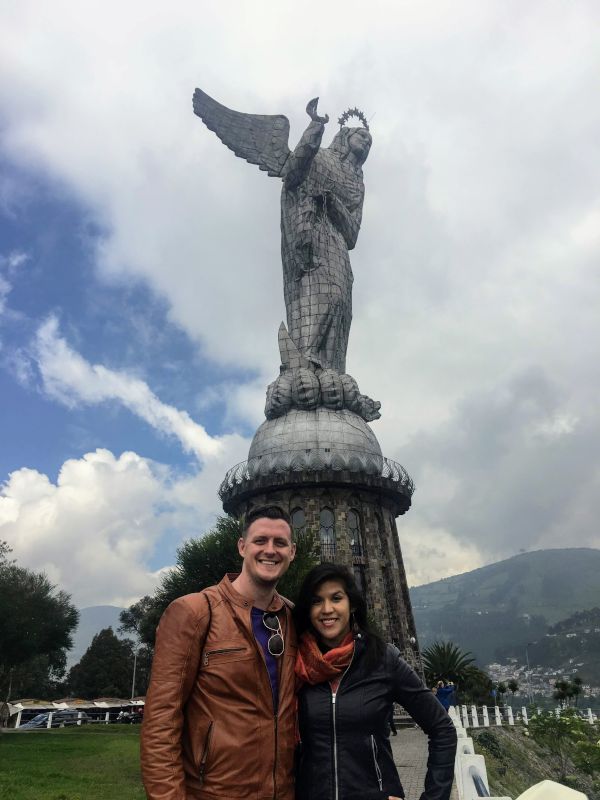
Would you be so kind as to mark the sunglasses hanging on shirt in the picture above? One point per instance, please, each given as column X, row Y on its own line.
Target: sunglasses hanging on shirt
column 276, row 644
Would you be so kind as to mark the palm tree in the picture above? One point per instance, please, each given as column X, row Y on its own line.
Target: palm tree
column 501, row 689
column 561, row 692
column 446, row 661
column 513, row 687
column 576, row 689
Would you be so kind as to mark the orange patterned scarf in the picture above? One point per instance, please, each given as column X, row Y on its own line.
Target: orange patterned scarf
column 313, row 666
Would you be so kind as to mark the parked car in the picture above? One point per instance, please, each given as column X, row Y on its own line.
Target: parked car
column 59, row 718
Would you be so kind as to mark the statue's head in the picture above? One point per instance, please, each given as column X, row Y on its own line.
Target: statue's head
column 355, row 141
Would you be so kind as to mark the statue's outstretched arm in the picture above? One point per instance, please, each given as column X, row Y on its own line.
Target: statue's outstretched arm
column 298, row 163
column 259, row 138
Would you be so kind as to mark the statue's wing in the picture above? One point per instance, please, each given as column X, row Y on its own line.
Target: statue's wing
column 259, row 138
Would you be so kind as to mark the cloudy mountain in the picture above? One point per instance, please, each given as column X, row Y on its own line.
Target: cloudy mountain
column 496, row 610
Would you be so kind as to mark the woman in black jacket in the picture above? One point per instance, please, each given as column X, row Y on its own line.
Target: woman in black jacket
column 348, row 679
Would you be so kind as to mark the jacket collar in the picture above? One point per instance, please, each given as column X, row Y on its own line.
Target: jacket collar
column 245, row 602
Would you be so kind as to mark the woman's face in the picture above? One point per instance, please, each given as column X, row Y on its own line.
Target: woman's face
column 330, row 612
column 360, row 144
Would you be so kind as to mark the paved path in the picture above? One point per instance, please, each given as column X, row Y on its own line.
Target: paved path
column 410, row 754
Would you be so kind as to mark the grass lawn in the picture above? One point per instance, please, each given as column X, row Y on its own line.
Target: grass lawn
column 86, row 763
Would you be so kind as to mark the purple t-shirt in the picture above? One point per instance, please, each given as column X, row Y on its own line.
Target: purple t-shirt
column 261, row 634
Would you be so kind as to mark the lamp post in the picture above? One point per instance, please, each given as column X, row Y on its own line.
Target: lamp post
column 135, row 655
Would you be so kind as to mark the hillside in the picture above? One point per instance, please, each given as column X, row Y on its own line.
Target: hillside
column 514, row 763
column 503, row 606
column 573, row 643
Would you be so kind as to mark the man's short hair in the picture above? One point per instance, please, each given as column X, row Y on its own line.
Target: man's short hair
column 270, row 512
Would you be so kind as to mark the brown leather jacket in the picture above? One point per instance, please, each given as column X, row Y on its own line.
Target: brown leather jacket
column 209, row 729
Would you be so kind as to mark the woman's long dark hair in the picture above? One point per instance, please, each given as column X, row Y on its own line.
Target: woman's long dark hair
column 375, row 646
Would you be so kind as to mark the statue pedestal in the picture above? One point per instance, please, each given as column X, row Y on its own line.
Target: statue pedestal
column 326, row 469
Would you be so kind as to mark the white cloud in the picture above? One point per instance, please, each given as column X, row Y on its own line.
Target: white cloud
column 69, row 378
column 9, row 264
column 14, row 260
column 243, row 402
column 512, row 468
column 432, row 553
column 484, row 142
column 96, row 530
column 478, row 255
column 92, row 531
column 5, row 288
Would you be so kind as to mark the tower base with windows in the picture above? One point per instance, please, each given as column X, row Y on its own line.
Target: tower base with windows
column 337, row 486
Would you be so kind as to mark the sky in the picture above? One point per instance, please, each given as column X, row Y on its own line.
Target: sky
column 141, row 285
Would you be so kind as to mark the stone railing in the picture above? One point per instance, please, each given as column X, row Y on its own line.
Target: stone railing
column 470, row 774
column 311, row 461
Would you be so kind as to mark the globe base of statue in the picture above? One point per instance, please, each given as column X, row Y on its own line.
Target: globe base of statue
column 317, row 439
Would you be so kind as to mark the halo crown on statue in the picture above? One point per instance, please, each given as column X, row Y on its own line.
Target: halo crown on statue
column 353, row 112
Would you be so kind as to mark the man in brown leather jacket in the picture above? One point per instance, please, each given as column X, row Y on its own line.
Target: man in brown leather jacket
column 219, row 720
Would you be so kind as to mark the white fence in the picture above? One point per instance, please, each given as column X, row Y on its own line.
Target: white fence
column 469, row 769
column 496, row 716
column 470, row 772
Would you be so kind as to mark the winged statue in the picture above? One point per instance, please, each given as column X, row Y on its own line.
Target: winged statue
column 321, row 211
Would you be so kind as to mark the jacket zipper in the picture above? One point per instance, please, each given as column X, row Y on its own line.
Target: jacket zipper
column 377, row 770
column 275, row 719
column 202, row 765
column 275, row 722
column 275, row 760
column 335, row 758
column 216, row 652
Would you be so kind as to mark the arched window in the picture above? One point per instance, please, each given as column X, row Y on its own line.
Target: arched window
column 327, row 534
column 298, row 522
column 354, row 533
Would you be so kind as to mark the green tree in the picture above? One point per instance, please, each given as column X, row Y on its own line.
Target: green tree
column 105, row 669
column 445, row 661
column 4, row 551
column 501, row 688
column 560, row 735
column 576, row 689
column 561, row 692
column 568, row 692
column 476, row 686
column 203, row 562
column 141, row 620
column 513, row 686
column 36, row 622
column 586, row 757
column 40, row 678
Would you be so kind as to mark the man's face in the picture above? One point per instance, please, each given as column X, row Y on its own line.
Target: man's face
column 267, row 550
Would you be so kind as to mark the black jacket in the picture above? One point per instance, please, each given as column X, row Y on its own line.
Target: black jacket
column 345, row 752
